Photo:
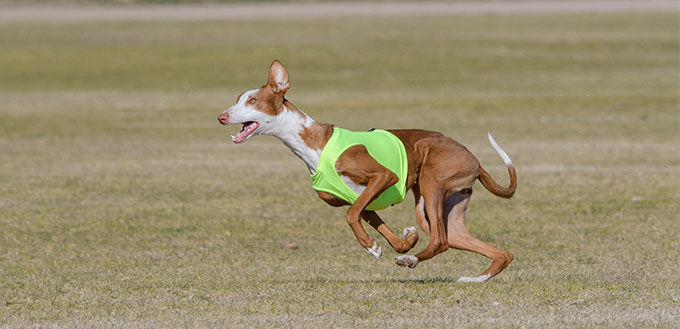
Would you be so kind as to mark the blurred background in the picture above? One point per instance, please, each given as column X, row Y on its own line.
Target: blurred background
column 123, row 202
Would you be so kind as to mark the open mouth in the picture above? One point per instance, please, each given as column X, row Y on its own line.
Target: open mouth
column 248, row 129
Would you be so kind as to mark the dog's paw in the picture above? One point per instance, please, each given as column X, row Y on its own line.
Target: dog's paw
column 408, row 230
column 477, row 279
column 406, row 260
column 375, row 251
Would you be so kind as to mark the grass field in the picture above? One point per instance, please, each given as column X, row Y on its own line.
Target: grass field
column 124, row 204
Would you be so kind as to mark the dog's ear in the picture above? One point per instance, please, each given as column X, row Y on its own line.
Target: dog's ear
column 278, row 78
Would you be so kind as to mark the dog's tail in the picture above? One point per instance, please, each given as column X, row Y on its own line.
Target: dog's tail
column 490, row 184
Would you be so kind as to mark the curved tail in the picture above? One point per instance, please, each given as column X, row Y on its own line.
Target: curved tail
column 490, row 184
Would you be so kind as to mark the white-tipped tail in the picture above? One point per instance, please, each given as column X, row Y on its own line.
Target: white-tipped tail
column 500, row 151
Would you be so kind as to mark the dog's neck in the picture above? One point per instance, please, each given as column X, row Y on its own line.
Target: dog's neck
column 304, row 136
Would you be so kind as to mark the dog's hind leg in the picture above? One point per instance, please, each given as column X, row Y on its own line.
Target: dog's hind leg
column 459, row 237
column 421, row 217
column 399, row 245
column 434, row 209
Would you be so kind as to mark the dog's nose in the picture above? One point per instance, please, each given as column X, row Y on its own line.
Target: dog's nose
column 223, row 118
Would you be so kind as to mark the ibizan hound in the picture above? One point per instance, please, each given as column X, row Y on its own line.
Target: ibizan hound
column 440, row 173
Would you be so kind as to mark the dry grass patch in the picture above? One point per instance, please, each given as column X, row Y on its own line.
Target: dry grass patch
column 122, row 203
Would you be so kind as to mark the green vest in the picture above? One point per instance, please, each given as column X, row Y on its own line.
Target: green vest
column 382, row 145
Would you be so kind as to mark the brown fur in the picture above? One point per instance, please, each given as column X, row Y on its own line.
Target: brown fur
column 267, row 100
column 496, row 189
column 443, row 172
column 315, row 136
column 440, row 170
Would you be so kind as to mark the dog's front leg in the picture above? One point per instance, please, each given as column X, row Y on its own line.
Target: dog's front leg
column 399, row 245
column 377, row 183
column 362, row 169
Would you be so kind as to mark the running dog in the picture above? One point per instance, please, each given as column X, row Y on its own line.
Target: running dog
column 372, row 170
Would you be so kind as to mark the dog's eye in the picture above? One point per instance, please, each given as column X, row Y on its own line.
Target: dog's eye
column 252, row 101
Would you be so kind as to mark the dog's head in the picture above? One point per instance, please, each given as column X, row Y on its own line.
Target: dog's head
column 257, row 109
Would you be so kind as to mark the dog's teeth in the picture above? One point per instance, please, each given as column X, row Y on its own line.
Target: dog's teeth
column 232, row 137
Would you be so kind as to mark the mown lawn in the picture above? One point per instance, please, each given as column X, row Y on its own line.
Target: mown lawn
column 124, row 204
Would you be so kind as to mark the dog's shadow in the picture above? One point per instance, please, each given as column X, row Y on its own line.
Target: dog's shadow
column 396, row 280
column 421, row 281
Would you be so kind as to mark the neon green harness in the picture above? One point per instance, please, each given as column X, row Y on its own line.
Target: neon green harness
column 382, row 145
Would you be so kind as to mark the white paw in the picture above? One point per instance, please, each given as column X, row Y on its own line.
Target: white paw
column 406, row 260
column 480, row 278
column 408, row 230
column 375, row 251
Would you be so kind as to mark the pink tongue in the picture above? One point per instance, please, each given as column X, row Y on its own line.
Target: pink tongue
column 247, row 130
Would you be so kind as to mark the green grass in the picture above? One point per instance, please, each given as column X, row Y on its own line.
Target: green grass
column 123, row 203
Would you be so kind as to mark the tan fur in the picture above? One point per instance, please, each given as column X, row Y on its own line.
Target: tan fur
column 267, row 100
column 440, row 170
column 496, row 189
column 315, row 136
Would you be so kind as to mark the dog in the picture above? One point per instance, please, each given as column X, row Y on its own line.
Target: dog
column 438, row 170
